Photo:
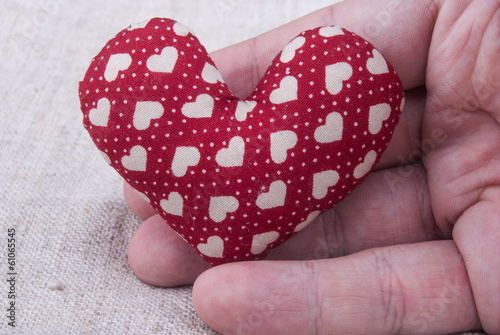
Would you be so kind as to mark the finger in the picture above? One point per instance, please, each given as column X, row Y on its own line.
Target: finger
column 160, row 257
column 477, row 235
column 136, row 203
column 416, row 289
column 401, row 32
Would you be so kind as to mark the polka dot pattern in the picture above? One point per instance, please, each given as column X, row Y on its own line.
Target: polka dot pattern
column 235, row 177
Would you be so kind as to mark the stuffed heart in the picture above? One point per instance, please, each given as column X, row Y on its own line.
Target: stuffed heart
column 235, row 177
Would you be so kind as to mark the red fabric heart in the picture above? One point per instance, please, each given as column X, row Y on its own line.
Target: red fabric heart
column 234, row 177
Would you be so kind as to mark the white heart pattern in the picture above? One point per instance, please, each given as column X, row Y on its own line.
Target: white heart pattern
column 213, row 248
column 332, row 130
column 288, row 52
column 210, row 74
column 274, row 198
column 281, row 142
column 377, row 64
column 181, row 30
column 136, row 160
column 363, row 168
column 243, row 108
column 173, row 205
column 184, row 157
column 335, row 76
column 331, row 31
column 376, row 116
column 322, row 181
column 99, row 116
column 220, row 206
column 286, row 92
column 145, row 111
column 201, row 108
column 139, row 25
column 116, row 63
column 164, row 62
column 233, row 155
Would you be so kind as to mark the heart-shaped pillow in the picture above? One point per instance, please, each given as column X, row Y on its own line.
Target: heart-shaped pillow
column 235, row 177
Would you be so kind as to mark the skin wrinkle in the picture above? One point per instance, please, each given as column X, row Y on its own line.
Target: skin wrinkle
column 340, row 234
column 433, row 230
column 465, row 257
column 432, row 7
column 318, row 297
column 495, row 14
column 430, row 230
column 441, row 4
column 390, row 305
column 446, row 60
column 407, row 131
column 472, row 170
column 327, row 247
column 345, row 248
column 305, row 281
column 485, row 194
column 424, row 204
column 328, row 230
column 325, row 242
column 466, row 79
column 451, row 215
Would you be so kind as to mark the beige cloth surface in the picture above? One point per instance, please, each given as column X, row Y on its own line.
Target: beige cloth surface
column 72, row 224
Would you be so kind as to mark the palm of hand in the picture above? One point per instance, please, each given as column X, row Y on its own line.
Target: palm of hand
column 463, row 81
column 439, row 180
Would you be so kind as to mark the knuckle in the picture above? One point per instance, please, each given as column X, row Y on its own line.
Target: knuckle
column 391, row 290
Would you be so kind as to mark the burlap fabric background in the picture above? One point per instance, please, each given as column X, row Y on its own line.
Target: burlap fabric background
column 72, row 224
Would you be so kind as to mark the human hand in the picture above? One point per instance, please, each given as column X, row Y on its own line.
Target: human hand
column 419, row 239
